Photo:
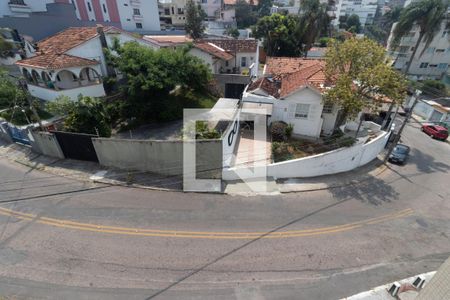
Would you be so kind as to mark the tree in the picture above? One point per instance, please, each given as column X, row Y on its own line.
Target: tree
column 428, row 15
column 381, row 29
column 61, row 106
column 233, row 32
column 280, row 34
column 434, row 87
column 152, row 76
column 353, row 24
column 194, row 20
column 10, row 94
column 263, row 7
column 313, row 19
column 245, row 15
column 5, row 48
column 87, row 115
column 360, row 74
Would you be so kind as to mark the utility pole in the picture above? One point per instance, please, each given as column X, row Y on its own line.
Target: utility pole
column 407, row 117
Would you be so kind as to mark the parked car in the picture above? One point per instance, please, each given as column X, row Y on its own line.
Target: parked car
column 435, row 131
column 400, row 154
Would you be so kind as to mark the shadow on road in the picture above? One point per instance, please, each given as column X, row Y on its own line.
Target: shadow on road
column 374, row 191
column 426, row 163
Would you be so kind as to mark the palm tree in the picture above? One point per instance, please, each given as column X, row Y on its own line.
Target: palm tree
column 428, row 15
column 313, row 19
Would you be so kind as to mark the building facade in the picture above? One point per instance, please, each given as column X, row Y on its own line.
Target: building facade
column 133, row 15
column 364, row 9
column 72, row 62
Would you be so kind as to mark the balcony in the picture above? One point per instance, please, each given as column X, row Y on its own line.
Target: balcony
column 135, row 3
column 138, row 17
column 18, row 6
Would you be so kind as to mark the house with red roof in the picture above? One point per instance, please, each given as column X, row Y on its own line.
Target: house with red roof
column 72, row 62
column 294, row 87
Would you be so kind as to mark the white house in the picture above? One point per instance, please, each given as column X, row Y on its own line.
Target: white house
column 294, row 87
column 229, row 56
column 72, row 62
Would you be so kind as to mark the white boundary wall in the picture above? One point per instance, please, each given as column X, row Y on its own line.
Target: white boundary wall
column 337, row 161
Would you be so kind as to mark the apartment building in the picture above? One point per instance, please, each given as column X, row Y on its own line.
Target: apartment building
column 364, row 9
column 133, row 15
column 433, row 63
column 172, row 13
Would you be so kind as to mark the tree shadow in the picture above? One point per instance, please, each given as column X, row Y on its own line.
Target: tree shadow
column 372, row 191
column 426, row 163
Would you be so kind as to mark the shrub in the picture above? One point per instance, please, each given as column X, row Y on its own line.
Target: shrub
column 288, row 131
column 278, row 131
column 323, row 41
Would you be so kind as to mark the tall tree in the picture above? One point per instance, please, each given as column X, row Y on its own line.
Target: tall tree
column 151, row 76
column 264, row 7
column 313, row 19
column 233, row 32
column 194, row 20
column 361, row 75
column 353, row 24
column 10, row 94
column 428, row 15
column 280, row 34
column 245, row 14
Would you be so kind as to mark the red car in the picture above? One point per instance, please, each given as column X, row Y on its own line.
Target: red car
column 435, row 131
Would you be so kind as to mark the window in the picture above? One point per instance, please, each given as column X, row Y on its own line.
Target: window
column 139, row 25
column 167, row 11
column 180, row 11
column 204, row 1
column 430, row 49
column 443, row 66
column 445, row 32
column 423, row 65
column 433, row 66
column 226, row 63
column 89, row 6
column 243, row 61
column 440, row 50
column 17, row 2
column 136, row 12
column 327, row 108
column 104, row 8
column 301, row 111
column 173, row 10
column 403, row 49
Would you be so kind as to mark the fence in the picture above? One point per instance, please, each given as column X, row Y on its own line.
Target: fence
column 47, row 144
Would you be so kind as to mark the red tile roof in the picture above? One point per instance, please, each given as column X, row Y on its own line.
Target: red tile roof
column 233, row 45
column 51, row 51
column 213, row 50
column 56, row 61
column 285, row 75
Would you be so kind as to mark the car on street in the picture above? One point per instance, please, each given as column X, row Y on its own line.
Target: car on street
column 435, row 131
column 400, row 154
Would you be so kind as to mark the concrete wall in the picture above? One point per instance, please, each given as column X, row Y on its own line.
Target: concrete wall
column 162, row 157
column 47, row 144
column 96, row 90
column 337, row 161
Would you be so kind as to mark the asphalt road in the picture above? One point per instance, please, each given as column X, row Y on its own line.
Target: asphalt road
column 63, row 239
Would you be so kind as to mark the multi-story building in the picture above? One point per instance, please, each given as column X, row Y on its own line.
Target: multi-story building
column 172, row 13
column 364, row 9
column 431, row 62
column 133, row 15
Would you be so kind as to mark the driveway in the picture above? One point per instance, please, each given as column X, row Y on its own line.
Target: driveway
column 63, row 239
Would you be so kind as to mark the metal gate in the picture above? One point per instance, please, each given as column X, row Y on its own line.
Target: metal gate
column 19, row 135
column 76, row 145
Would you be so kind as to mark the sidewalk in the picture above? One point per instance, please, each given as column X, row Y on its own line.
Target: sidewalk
column 296, row 185
column 93, row 172
column 87, row 171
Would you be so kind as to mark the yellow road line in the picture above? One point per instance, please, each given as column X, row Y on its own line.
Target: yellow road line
column 200, row 234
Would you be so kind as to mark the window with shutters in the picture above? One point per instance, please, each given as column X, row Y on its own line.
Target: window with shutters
column 301, row 111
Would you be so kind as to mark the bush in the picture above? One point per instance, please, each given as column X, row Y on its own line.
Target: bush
column 288, row 131
column 278, row 131
column 323, row 42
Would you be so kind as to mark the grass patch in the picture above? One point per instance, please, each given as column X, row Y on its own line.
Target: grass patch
column 297, row 148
